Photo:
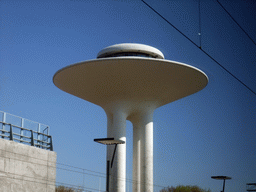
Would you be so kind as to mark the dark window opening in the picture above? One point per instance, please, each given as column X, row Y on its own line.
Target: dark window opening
column 126, row 54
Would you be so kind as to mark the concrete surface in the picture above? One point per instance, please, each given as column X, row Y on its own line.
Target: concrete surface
column 24, row 168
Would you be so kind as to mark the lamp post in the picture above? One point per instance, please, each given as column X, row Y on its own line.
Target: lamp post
column 250, row 186
column 109, row 141
column 224, row 178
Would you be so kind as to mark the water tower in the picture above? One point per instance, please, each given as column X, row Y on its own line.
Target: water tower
column 129, row 81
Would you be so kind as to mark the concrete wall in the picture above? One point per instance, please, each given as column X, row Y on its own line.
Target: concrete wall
column 25, row 168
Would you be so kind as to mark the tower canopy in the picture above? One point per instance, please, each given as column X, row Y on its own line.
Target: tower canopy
column 130, row 72
column 130, row 49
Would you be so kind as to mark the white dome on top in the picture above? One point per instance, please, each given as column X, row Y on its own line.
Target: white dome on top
column 130, row 49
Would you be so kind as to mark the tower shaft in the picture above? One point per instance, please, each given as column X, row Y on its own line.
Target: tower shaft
column 143, row 152
column 117, row 130
column 141, row 115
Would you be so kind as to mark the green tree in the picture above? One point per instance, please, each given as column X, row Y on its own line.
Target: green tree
column 62, row 188
column 182, row 188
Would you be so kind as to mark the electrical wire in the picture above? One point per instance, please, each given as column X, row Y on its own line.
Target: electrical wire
column 48, row 161
column 199, row 48
column 80, row 172
column 199, row 21
column 55, row 167
column 236, row 22
column 70, row 170
column 44, row 181
column 81, row 168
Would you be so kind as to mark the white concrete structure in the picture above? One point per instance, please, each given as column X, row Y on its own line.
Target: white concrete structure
column 129, row 81
column 25, row 168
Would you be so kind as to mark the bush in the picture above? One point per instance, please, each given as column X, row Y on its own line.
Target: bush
column 182, row 188
column 62, row 188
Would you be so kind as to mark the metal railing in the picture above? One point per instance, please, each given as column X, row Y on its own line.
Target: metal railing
column 9, row 132
column 15, row 130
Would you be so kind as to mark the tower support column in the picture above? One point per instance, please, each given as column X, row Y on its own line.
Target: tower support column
column 136, row 157
column 143, row 152
column 117, row 130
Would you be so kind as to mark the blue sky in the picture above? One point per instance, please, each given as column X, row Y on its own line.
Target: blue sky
column 209, row 133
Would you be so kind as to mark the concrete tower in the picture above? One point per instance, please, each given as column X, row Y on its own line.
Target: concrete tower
column 129, row 81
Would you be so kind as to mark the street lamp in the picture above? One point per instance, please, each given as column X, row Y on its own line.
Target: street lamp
column 109, row 141
column 250, row 186
column 224, row 178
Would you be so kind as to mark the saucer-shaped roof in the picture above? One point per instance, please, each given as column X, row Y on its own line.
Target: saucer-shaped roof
column 130, row 48
column 106, row 80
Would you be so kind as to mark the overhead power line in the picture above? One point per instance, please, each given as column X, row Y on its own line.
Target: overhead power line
column 199, row 47
column 70, row 169
column 236, row 22
column 80, row 168
column 42, row 160
column 199, row 19
column 45, row 181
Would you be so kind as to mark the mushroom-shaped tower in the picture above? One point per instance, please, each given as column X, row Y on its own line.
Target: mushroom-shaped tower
column 129, row 81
